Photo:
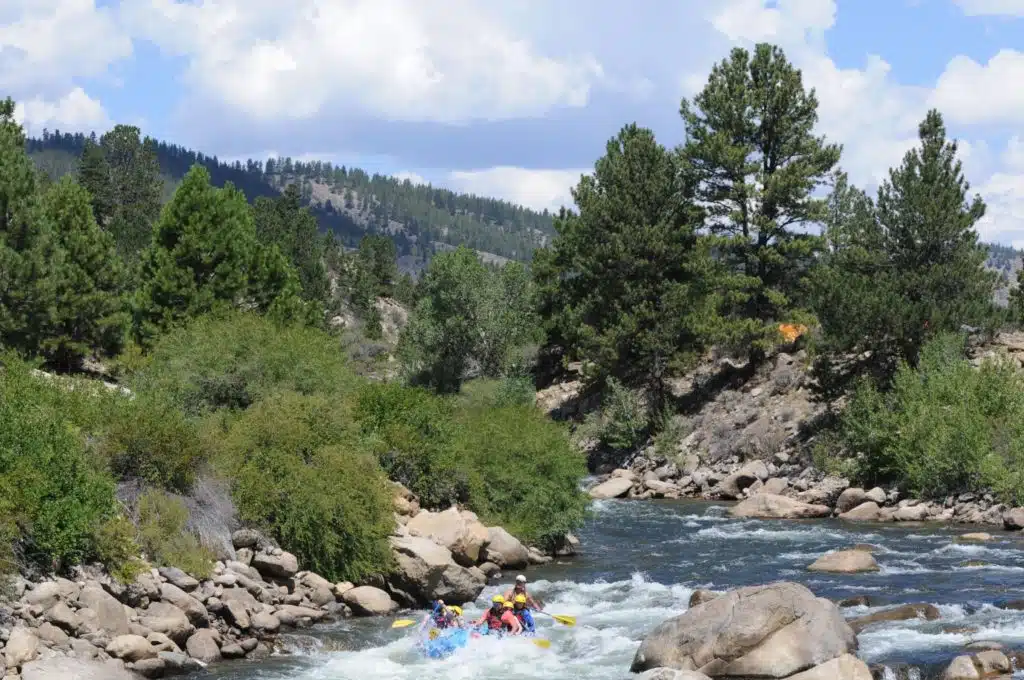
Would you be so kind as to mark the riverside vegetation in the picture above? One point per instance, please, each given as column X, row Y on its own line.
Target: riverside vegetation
column 243, row 351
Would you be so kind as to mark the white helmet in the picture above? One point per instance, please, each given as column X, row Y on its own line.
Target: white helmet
column 520, row 579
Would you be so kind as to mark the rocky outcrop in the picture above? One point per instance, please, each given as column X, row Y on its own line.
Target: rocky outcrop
column 768, row 506
column 459, row 532
column 426, row 571
column 845, row 562
column 773, row 631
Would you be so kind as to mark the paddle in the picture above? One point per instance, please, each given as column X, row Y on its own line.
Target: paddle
column 403, row 623
column 541, row 642
column 564, row 620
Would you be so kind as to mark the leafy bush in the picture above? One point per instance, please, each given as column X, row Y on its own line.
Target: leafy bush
column 149, row 439
column 524, row 473
column 164, row 538
column 58, row 497
column 945, row 428
column 411, row 432
column 234, row 359
column 117, row 549
column 301, row 473
column 623, row 422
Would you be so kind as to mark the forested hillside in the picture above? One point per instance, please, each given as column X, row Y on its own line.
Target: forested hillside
column 349, row 202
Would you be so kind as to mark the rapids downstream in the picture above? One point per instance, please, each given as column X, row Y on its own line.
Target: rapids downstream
column 640, row 563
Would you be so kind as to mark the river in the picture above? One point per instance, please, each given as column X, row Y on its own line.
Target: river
column 640, row 563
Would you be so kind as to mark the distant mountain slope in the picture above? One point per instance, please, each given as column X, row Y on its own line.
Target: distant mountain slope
column 421, row 219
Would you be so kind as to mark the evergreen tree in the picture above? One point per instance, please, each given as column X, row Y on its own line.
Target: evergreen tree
column 909, row 267
column 205, row 255
column 377, row 256
column 751, row 146
column 91, row 312
column 94, row 174
column 135, row 187
column 285, row 222
column 29, row 256
column 626, row 283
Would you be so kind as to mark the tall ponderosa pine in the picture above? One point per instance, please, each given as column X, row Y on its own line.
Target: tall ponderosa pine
column 205, row 255
column 29, row 256
column 285, row 222
column 908, row 267
column 91, row 314
column 123, row 177
column 751, row 144
column 627, row 283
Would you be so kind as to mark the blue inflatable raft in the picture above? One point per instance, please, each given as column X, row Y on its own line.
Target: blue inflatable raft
column 442, row 643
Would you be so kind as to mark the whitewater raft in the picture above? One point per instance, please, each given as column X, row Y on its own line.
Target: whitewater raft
column 440, row 644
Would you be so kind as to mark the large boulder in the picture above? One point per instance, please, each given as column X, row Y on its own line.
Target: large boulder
column 505, row 550
column 282, row 565
column 163, row 617
column 66, row 668
column 131, row 648
column 193, row 608
column 22, row 646
column 906, row 612
column 461, row 533
column 369, row 601
column 868, row 511
column 110, row 614
column 731, row 488
column 203, row 645
column 616, row 487
column 846, row 667
column 319, row 590
column 770, row 631
column 179, row 578
column 845, row 562
column 770, row 506
column 426, row 571
column 1013, row 519
column 850, row 499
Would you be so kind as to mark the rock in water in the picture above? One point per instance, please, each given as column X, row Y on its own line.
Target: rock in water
column 616, row 487
column 64, row 668
column 771, row 631
column 846, row 667
column 369, row 601
column 845, row 562
column 769, row 506
column 427, row 571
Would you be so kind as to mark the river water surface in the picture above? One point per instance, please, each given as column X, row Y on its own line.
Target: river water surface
column 641, row 561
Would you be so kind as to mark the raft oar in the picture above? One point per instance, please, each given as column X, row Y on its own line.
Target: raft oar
column 564, row 620
column 541, row 642
column 403, row 623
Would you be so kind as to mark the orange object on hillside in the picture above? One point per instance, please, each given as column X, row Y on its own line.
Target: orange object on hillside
column 792, row 331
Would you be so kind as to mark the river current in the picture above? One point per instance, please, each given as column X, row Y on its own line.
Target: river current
column 641, row 561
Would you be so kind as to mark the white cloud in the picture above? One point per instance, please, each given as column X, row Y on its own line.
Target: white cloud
column 972, row 93
column 992, row 7
column 45, row 45
column 537, row 189
column 1004, row 195
column 1013, row 156
column 74, row 112
column 448, row 60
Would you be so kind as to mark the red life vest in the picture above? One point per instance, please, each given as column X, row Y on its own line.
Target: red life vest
column 493, row 620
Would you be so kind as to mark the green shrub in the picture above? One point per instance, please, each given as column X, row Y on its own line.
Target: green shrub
column 411, row 431
column 232, row 360
column 524, row 473
column 58, row 495
column 945, row 428
column 623, row 423
column 149, row 439
column 301, row 473
column 163, row 536
column 117, row 549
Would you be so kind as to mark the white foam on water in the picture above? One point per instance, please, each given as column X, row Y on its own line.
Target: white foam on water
column 745, row 532
column 977, row 550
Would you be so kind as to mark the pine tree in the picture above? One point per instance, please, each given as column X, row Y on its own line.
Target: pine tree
column 205, row 255
column 901, row 270
column 136, row 188
column 94, row 174
column 285, row 222
column 91, row 311
column 751, row 146
column 29, row 256
column 626, row 283
column 377, row 255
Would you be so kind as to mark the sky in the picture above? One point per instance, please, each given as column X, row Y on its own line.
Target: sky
column 514, row 98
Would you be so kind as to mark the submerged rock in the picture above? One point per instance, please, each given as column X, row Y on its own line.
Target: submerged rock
column 769, row 506
column 845, row 562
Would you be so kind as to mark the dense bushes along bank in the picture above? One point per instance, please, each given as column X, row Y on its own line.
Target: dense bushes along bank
column 303, row 444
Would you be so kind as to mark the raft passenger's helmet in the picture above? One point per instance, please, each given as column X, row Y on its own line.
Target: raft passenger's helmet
column 508, row 604
column 498, row 599
column 520, row 599
column 520, row 579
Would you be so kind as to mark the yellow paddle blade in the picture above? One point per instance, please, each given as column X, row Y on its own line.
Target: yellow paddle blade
column 434, row 632
column 542, row 643
column 564, row 620
column 403, row 623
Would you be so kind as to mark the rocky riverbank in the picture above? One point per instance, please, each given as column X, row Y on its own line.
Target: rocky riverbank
column 167, row 622
column 782, row 630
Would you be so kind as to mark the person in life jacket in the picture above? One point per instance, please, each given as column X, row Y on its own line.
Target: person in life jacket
column 522, row 613
column 509, row 620
column 520, row 589
column 497, row 618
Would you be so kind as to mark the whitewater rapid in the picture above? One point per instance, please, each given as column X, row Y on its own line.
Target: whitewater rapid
column 641, row 563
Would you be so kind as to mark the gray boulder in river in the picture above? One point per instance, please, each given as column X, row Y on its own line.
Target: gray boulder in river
column 777, row 630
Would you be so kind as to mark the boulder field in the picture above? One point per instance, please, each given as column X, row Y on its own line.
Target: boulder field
column 167, row 622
